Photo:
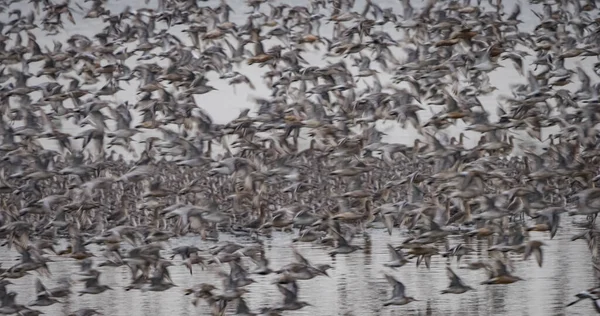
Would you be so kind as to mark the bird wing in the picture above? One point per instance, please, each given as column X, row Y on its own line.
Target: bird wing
column 455, row 280
column 584, row 78
column 515, row 12
column 398, row 286
column 91, row 282
column 39, row 286
column 500, row 268
column 300, row 258
column 535, row 249
column 393, row 253
column 289, row 296
column 242, row 307
column 399, row 289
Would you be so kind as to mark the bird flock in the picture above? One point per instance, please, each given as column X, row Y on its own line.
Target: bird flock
column 310, row 159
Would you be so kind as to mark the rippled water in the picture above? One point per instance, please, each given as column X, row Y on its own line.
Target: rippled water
column 357, row 285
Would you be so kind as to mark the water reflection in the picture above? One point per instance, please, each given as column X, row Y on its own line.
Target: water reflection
column 356, row 285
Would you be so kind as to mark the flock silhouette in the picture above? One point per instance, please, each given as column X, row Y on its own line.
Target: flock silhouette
column 308, row 160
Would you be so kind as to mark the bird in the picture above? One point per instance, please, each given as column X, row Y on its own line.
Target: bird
column 397, row 256
column 457, row 286
column 92, row 286
column 398, row 294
